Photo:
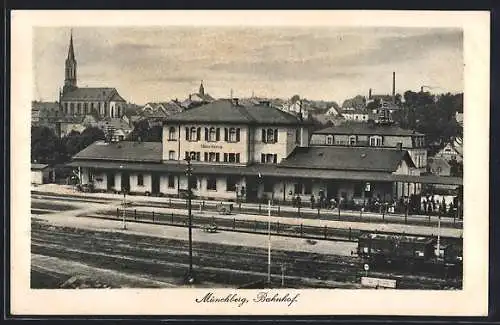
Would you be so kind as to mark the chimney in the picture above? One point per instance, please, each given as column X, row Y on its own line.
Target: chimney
column 370, row 94
column 394, row 86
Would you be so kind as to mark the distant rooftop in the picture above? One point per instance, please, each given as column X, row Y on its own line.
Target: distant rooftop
column 366, row 129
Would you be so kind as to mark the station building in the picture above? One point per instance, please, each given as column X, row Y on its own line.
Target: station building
column 248, row 153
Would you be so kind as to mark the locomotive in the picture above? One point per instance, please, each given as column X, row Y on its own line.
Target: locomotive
column 380, row 248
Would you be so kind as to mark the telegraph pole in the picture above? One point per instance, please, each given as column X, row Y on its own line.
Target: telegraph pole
column 189, row 173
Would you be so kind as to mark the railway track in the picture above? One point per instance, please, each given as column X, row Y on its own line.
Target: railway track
column 228, row 265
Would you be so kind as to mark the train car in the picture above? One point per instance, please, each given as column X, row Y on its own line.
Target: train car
column 376, row 247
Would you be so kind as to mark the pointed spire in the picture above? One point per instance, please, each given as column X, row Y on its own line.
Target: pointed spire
column 202, row 89
column 71, row 53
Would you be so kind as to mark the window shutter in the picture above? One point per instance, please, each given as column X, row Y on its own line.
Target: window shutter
column 198, row 156
column 217, row 155
column 206, row 156
column 275, row 158
column 237, row 157
column 276, row 135
column 225, row 157
column 198, row 134
column 263, row 135
column 238, row 135
column 225, row 134
column 187, row 133
column 206, row 134
column 262, row 158
column 217, row 134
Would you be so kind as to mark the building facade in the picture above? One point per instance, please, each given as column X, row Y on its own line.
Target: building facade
column 252, row 153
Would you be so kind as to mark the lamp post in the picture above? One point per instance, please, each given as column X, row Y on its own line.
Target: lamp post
column 124, row 211
column 189, row 173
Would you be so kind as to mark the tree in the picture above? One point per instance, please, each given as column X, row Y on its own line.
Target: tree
column 89, row 136
column 45, row 145
column 144, row 132
column 357, row 102
column 295, row 98
column 71, row 143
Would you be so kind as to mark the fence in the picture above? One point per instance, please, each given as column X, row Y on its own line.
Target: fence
column 241, row 225
column 381, row 215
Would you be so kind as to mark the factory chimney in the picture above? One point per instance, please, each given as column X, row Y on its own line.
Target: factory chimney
column 394, row 87
column 370, row 94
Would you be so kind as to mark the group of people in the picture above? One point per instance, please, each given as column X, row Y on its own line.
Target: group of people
column 428, row 205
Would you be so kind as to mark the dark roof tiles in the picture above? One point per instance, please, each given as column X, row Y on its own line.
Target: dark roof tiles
column 347, row 158
column 97, row 94
column 225, row 111
column 365, row 129
column 122, row 151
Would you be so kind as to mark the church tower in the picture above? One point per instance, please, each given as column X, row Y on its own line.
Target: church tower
column 70, row 68
column 202, row 89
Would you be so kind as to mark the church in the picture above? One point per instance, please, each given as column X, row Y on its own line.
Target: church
column 75, row 101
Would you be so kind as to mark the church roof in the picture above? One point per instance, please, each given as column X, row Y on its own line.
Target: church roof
column 92, row 94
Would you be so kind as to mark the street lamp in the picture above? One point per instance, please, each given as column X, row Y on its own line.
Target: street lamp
column 189, row 174
column 269, row 237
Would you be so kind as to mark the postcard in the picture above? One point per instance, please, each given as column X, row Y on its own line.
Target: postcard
column 249, row 162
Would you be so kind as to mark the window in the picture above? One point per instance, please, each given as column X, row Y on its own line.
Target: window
column 140, row 180
column 171, row 134
column 91, row 107
column 193, row 134
column 376, row 141
column 85, row 108
column 352, row 140
column 212, row 135
column 212, row 183
column 195, row 155
column 230, row 184
column 329, row 139
column 71, row 108
column 358, row 189
column 232, row 134
column 212, row 156
column 171, row 155
column 79, row 108
column 269, row 158
column 232, row 157
column 269, row 135
column 171, row 181
column 66, row 108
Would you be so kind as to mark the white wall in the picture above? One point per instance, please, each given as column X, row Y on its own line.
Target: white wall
column 36, row 177
column 135, row 188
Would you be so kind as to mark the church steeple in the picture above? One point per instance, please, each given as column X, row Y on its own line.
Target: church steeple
column 202, row 89
column 70, row 68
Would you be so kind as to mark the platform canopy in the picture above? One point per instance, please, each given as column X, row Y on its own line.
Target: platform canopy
column 267, row 171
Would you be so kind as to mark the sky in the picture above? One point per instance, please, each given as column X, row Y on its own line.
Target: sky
column 148, row 64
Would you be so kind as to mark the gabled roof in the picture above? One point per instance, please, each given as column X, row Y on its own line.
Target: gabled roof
column 347, row 158
column 97, row 94
column 35, row 166
column 365, row 129
column 438, row 162
column 225, row 111
column 116, row 123
column 122, row 151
